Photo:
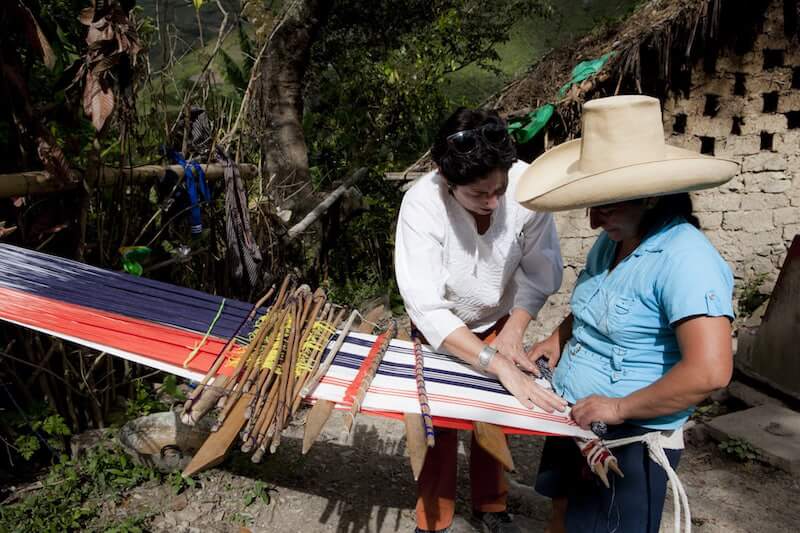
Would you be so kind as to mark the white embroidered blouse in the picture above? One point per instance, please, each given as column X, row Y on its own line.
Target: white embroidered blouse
column 450, row 276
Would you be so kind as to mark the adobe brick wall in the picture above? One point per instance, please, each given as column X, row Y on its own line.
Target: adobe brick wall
column 753, row 218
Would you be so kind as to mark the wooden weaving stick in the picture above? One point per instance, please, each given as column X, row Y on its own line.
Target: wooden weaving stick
column 322, row 410
column 368, row 370
column 216, row 446
column 492, row 439
column 416, row 441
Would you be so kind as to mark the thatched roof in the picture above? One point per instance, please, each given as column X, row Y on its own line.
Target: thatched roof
column 654, row 50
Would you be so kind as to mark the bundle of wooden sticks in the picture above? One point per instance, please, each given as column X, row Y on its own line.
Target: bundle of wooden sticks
column 273, row 371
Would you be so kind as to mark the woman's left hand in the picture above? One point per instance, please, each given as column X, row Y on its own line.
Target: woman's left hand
column 596, row 408
column 509, row 343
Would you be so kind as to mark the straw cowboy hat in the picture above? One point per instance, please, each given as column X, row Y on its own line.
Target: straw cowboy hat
column 622, row 156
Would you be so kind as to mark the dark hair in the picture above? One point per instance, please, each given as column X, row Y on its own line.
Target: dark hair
column 668, row 208
column 463, row 169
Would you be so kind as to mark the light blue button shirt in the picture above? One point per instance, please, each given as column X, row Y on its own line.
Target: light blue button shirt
column 622, row 334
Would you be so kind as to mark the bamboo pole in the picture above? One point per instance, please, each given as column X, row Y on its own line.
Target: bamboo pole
column 41, row 181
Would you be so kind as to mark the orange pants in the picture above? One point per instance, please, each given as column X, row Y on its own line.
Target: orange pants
column 436, row 486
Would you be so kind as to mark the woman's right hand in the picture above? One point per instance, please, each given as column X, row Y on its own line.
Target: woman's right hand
column 550, row 348
column 524, row 388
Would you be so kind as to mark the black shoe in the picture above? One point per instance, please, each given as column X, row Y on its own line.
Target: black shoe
column 500, row 522
column 445, row 530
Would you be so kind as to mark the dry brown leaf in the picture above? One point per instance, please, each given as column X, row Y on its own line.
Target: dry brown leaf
column 102, row 107
column 37, row 39
column 105, row 63
column 100, row 31
column 92, row 86
column 87, row 16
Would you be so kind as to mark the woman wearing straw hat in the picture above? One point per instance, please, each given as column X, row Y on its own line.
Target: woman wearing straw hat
column 473, row 267
column 649, row 335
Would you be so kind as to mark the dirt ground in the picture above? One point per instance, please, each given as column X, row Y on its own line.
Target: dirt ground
column 363, row 484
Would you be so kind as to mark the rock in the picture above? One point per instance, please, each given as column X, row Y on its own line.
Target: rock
column 162, row 441
column 179, row 503
column 81, row 443
column 750, row 396
column 774, row 431
column 695, row 432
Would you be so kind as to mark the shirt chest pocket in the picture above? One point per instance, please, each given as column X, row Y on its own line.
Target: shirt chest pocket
column 620, row 314
column 631, row 317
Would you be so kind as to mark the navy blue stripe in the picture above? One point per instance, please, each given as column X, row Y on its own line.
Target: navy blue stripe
column 398, row 370
column 115, row 292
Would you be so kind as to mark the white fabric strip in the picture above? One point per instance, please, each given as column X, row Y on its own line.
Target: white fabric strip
column 455, row 390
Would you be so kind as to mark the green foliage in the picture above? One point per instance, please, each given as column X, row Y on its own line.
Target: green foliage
column 260, row 490
column 375, row 96
column 132, row 524
column 38, row 427
column 739, row 449
column 378, row 74
column 170, row 387
column 143, row 402
column 238, row 75
column 179, row 483
column 234, row 74
column 67, row 500
column 708, row 410
column 750, row 295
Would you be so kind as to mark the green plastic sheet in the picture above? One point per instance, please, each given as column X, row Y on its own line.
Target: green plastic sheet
column 583, row 70
column 132, row 256
column 524, row 129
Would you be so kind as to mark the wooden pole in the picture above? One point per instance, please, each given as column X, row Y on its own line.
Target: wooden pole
column 40, row 181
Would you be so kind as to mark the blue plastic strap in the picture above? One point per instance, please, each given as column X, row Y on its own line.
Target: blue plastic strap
column 189, row 169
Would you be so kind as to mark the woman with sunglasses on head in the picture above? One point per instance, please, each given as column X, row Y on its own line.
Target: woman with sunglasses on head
column 649, row 333
column 473, row 268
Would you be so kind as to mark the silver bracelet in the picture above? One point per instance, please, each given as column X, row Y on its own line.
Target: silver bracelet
column 485, row 356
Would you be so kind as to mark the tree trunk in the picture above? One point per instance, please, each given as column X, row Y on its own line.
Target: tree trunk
column 280, row 98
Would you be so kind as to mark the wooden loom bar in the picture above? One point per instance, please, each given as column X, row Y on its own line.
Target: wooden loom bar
column 333, row 321
column 369, row 375
column 283, row 413
column 41, row 181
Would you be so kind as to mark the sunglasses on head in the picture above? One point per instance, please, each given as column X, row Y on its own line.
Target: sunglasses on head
column 466, row 141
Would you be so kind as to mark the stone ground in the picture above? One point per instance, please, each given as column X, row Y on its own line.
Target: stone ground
column 364, row 484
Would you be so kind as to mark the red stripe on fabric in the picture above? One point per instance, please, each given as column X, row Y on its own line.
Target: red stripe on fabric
column 456, row 400
column 352, row 389
column 455, row 423
column 150, row 340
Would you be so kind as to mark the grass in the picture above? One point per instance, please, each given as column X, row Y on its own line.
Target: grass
column 530, row 39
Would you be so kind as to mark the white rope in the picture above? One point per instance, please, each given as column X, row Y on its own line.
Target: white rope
column 655, row 442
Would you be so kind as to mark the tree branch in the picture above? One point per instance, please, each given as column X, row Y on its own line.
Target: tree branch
column 315, row 213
